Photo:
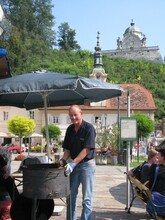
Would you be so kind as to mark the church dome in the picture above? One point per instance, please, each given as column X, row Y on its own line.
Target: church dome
column 133, row 30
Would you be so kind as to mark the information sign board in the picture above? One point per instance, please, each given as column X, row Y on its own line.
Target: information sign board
column 128, row 129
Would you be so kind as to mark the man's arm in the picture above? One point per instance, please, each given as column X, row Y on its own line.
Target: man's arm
column 66, row 154
column 81, row 155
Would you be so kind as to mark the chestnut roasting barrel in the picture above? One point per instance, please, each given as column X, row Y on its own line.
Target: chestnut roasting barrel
column 44, row 181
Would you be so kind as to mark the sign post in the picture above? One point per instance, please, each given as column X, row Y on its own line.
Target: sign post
column 128, row 132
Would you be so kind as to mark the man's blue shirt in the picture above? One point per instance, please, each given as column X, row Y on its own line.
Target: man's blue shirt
column 84, row 138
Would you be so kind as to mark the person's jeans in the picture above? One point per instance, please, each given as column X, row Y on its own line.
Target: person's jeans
column 83, row 173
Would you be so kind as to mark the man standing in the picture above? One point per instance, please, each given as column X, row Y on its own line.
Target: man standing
column 79, row 146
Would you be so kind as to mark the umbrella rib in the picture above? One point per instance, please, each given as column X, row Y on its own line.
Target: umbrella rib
column 43, row 94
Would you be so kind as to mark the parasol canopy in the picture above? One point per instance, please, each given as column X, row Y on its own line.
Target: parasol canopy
column 45, row 89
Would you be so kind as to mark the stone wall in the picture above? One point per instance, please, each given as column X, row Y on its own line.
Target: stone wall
column 151, row 54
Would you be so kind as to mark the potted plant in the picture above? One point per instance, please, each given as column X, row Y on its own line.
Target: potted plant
column 102, row 145
column 114, row 134
column 107, row 142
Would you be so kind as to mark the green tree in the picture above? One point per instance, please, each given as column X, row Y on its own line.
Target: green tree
column 31, row 18
column 54, row 132
column 31, row 37
column 145, row 126
column 21, row 126
column 77, row 63
column 66, row 38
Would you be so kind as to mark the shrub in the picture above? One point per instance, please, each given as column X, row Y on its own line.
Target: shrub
column 36, row 148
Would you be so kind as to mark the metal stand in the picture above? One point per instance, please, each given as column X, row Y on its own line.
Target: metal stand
column 34, row 209
column 68, row 208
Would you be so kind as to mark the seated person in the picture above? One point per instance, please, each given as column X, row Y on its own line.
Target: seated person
column 142, row 172
column 6, row 180
column 144, row 168
column 160, row 181
column 158, row 189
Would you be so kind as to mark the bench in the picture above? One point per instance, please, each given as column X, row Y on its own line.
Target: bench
column 143, row 193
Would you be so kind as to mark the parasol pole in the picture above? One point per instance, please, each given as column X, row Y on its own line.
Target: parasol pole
column 128, row 149
column 46, row 124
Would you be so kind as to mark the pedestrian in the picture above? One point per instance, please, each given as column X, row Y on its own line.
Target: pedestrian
column 6, row 180
column 79, row 146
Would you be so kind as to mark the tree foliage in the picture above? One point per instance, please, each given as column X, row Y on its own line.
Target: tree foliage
column 66, row 38
column 21, row 126
column 54, row 132
column 30, row 38
column 77, row 63
column 145, row 125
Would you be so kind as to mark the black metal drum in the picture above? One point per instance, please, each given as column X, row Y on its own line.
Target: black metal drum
column 44, row 181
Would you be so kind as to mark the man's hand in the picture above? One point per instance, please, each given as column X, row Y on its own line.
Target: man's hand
column 62, row 162
column 69, row 168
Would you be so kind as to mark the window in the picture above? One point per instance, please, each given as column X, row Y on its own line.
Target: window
column 56, row 119
column 98, row 76
column 5, row 116
column 31, row 114
column 97, row 119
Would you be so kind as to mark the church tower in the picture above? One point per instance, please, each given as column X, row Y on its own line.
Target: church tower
column 98, row 71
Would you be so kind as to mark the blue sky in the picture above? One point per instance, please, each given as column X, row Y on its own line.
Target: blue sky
column 111, row 18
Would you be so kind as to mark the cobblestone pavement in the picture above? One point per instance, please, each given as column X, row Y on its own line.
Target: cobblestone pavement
column 110, row 197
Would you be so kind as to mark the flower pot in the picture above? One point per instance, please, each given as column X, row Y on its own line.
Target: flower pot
column 114, row 160
column 101, row 159
column 108, row 159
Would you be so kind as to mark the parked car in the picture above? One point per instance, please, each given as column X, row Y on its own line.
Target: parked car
column 16, row 149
